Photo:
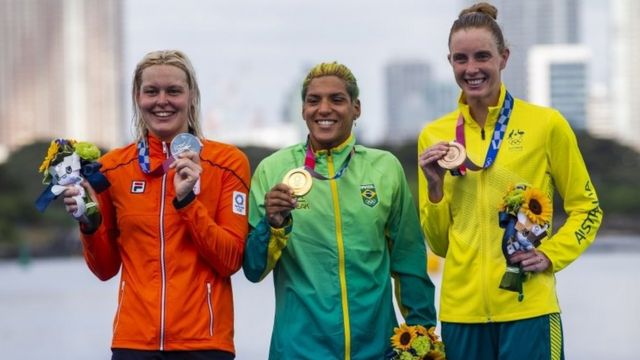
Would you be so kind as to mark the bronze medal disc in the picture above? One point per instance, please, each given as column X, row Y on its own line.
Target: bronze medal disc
column 299, row 180
column 456, row 155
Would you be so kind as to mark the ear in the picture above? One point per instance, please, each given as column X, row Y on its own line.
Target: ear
column 356, row 107
column 137, row 96
column 505, row 58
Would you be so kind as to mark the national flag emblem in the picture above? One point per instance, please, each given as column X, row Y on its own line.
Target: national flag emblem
column 369, row 194
column 137, row 186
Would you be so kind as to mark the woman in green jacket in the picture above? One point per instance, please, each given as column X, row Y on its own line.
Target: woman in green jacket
column 335, row 221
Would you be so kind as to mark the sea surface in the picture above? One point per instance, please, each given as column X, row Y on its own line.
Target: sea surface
column 57, row 309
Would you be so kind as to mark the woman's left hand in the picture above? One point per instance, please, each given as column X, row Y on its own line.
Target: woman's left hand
column 533, row 260
column 188, row 170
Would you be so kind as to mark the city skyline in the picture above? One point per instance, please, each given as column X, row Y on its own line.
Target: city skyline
column 248, row 54
column 250, row 59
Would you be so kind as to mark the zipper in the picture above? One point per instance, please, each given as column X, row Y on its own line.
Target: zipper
column 210, row 309
column 115, row 326
column 341, row 259
column 483, row 249
column 162, row 263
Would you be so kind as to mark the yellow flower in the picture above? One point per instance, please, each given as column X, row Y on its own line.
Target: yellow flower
column 432, row 334
column 51, row 154
column 421, row 330
column 537, row 206
column 403, row 335
column 435, row 355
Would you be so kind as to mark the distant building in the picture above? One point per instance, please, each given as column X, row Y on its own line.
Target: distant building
column 625, row 85
column 414, row 98
column 558, row 78
column 599, row 117
column 60, row 65
column 443, row 97
column 407, row 101
column 533, row 22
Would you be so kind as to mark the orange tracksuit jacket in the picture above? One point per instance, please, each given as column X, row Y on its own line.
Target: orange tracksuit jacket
column 175, row 286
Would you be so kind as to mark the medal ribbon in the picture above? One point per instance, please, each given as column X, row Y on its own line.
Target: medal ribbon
column 310, row 164
column 145, row 161
column 496, row 140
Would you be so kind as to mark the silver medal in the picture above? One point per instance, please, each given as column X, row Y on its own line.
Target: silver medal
column 185, row 142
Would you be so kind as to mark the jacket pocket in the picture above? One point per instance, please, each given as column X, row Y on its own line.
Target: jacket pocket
column 210, row 305
column 121, row 300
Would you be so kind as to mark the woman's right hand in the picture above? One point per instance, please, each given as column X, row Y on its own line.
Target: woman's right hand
column 71, row 196
column 428, row 162
column 278, row 203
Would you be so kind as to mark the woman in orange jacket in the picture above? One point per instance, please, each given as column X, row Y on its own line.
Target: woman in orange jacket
column 174, row 219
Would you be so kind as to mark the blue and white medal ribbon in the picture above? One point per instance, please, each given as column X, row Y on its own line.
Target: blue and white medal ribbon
column 496, row 139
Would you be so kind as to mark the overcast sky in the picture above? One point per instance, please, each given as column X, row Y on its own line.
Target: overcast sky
column 249, row 54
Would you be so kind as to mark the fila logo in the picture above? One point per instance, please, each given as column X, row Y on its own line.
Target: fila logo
column 137, row 187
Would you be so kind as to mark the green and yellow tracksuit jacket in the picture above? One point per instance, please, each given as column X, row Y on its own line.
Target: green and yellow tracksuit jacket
column 333, row 262
column 539, row 148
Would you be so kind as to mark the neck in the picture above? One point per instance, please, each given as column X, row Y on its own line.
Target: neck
column 479, row 113
column 479, row 107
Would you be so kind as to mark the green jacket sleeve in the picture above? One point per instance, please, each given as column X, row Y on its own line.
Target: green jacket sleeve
column 264, row 244
column 414, row 289
column 580, row 201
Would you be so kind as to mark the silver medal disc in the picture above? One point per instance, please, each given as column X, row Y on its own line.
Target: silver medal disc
column 185, row 142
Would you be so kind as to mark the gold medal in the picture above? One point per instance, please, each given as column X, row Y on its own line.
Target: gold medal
column 456, row 155
column 299, row 180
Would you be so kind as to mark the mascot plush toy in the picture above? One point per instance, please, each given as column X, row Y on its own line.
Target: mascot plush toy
column 525, row 216
column 67, row 163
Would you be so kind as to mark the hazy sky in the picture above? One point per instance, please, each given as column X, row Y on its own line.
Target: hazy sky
column 250, row 54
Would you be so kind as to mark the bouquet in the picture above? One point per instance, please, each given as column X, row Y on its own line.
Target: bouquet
column 67, row 163
column 416, row 343
column 525, row 216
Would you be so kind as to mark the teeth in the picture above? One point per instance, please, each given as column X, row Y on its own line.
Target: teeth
column 163, row 114
column 474, row 81
column 325, row 122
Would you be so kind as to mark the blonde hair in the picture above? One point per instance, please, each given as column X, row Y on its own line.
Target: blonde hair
column 174, row 58
column 332, row 69
column 483, row 16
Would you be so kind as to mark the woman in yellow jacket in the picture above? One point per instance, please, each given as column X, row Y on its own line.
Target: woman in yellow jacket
column 498, row 298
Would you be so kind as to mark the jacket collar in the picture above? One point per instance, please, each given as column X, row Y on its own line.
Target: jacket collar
column 494, row 111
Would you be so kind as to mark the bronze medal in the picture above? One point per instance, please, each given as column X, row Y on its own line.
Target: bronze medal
column 456, row 155
column 299, row 180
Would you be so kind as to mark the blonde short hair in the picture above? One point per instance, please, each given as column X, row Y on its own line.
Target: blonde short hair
column 174, row 58
column 332, row 69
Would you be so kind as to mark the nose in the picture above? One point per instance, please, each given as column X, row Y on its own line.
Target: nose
column 324, row 107
column 472, row 66
column 163, row 99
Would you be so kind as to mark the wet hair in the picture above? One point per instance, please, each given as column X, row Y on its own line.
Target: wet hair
column 174, row 58
column 332, row 69
column 481, row 15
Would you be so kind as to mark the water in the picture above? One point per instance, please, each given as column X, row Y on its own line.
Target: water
column 57, row 309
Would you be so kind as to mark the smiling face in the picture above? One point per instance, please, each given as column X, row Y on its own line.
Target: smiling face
column 329, row 112
column 477, row 65
column 163, row 99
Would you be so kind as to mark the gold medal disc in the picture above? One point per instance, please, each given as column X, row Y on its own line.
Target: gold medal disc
column 456, row 155
column 299, row 180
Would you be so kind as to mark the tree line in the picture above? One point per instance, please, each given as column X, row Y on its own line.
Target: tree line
column 614, row 169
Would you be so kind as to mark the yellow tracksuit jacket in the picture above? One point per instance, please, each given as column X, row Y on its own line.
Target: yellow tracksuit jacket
column 538, row 148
